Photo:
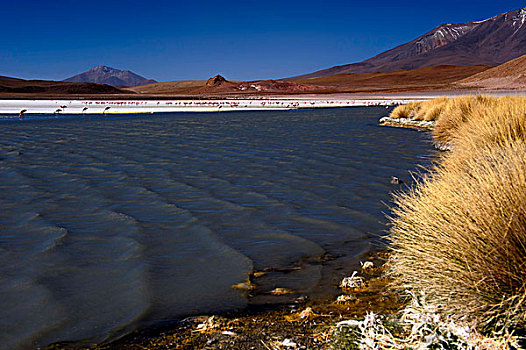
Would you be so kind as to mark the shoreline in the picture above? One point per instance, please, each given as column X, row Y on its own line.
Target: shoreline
column 407, row 123
column 79, row 107
column 301, row 324
column 150, row 104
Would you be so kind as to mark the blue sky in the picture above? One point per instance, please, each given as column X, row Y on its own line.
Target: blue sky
column 244, row 40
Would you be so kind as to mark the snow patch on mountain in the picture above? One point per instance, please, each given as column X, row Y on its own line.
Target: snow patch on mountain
column 444, row 35
column 519, row 19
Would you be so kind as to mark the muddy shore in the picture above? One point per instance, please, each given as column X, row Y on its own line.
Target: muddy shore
column 300, row 324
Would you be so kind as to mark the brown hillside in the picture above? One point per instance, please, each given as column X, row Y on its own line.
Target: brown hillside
column 13, row 86
column 510, row 75
column 428, row 78
column 181, row 87
column 220, row 86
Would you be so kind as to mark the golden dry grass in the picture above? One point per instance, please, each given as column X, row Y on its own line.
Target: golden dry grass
column 494, row 123
column 409, row 110
column 456, row 112
column 450, row 114
column 460, row 234
column 423, row 110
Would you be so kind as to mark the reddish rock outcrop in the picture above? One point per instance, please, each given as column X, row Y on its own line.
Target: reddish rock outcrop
column 217, row 80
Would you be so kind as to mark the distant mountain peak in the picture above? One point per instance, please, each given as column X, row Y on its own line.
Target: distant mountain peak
column 489, row 42
column 102, row 74
column 105, row 69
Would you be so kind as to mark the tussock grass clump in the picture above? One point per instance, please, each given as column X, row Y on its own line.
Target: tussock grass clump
column 456, row 112
column 430, row 110
column 504, row 120
column 460, row 236
column 405, row 111
column 433, row 112
column 422, row 110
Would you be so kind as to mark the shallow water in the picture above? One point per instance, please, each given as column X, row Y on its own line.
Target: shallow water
column 111, row 223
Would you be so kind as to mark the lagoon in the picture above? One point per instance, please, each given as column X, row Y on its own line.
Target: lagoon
column 112, row 223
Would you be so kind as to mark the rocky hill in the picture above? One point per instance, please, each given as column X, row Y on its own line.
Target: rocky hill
column 110, row 76
column 510, row 75
column 489, row 42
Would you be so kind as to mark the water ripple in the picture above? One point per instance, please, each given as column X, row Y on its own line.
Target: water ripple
column 109, row 224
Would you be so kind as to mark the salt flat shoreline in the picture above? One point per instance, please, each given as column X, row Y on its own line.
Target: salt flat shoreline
column 164, row 104
column 101, row 106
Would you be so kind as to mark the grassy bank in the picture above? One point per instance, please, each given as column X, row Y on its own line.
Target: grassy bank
column 452, row 116
column 459, row 236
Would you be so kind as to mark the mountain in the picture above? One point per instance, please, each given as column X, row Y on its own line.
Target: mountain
column 510, row 75
column 110, row 76
column 490, row 42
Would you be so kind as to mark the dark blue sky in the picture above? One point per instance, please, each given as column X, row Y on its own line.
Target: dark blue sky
column 245, row 40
